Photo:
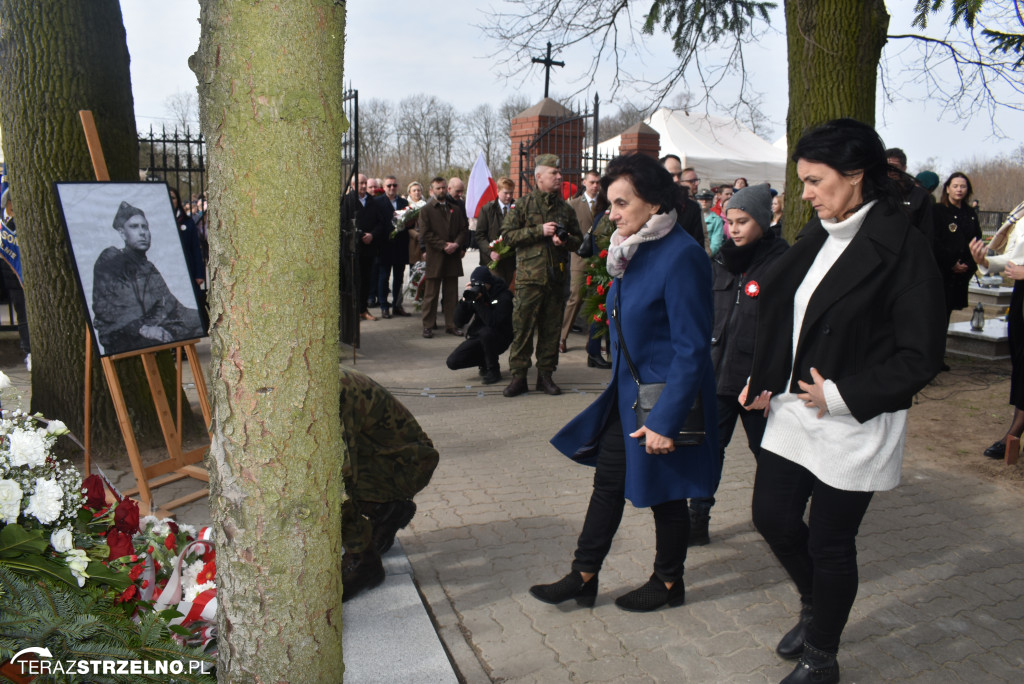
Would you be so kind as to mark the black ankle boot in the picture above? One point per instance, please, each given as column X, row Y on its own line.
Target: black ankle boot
column 699, row 535
column 791, row 646
column 815, row 667
column 360, row 571
column 652, row 596
column 570, row 586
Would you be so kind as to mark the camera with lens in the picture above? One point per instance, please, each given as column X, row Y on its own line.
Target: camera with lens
column 474, row 291
column 561, row 233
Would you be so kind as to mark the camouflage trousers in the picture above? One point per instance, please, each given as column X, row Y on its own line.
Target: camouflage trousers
column 536, row 309
column 379, row 477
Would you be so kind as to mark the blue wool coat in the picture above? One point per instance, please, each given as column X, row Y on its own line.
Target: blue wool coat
column 665, row 310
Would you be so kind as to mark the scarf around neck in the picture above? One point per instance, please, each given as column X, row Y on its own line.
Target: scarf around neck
column 621, row 250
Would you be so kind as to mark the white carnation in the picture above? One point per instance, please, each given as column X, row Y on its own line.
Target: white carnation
column 56, row 427
column 61, row 540
column 47, row 501
column 78, row 561
column 10, row 501
column 190, row 593
column 27, row 448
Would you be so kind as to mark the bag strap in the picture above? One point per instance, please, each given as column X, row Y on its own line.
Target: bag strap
column 622, row 340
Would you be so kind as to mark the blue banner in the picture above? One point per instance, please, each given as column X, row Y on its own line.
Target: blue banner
column 9, row 246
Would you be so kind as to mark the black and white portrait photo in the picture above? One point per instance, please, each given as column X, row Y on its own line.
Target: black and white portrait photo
column 130, row 264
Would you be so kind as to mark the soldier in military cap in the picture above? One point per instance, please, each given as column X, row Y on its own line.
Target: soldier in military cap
column 388, row 460
column 543, row 230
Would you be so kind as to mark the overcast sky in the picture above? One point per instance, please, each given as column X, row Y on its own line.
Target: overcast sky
column 407, row 47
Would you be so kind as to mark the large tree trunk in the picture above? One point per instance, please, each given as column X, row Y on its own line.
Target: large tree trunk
column 833, row 49
column 59, row 57
column 270, row 86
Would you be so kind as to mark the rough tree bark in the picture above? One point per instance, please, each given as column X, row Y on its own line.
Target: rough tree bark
column 270, row 88
column 59, row 57
column 833, row 49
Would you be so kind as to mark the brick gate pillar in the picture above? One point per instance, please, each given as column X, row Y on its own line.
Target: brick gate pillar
column 640, row 138
column 537, row 131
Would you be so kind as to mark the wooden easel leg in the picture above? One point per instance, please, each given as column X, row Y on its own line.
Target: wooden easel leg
column 134, row 456
column 1012, row 450
column 163, row 409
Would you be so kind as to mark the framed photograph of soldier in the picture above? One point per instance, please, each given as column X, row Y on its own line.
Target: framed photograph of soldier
column 130, row 264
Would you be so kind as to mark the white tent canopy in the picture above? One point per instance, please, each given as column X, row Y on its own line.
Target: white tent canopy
column 720, row 149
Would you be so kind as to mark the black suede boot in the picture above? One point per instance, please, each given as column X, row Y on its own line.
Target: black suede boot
column 652, row 596
column 791, row 646
column 699, row 521
column 815, row 667
column 359, row 571
column 570, row 586
column 387, row 519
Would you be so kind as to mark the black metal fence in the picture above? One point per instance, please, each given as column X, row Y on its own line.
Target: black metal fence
column 175, row 157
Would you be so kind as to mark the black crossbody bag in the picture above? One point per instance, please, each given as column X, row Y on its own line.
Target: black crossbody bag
column 692, row 432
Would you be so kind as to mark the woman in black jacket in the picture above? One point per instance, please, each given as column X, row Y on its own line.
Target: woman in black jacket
column 737, row 269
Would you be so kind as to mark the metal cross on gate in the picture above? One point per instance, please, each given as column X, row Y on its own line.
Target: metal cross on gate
column 548, row 63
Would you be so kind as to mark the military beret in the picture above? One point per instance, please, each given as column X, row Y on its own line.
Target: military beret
column 549, row 160
column 125, row 212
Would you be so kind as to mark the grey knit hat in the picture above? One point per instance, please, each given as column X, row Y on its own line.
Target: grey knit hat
column 756, row 200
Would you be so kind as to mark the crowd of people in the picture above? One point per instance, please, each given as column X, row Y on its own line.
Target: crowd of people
column 817, row 349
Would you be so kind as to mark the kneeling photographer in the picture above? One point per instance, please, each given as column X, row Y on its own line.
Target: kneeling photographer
column 486, row 305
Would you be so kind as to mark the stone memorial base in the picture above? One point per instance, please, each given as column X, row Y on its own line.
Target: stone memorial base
column 991, row 343
column 989, row 296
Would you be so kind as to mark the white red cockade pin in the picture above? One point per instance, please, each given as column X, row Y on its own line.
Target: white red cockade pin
column 752, row 289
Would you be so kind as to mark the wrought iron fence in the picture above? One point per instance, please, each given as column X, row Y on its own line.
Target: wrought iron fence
column 175, row 157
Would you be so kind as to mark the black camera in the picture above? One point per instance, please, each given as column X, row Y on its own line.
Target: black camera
column 473, row 292
column 561, row 233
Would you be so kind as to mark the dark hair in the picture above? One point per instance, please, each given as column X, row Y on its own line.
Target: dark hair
column 897, row 154
column 741, row 178
column 945, row 188
column 850, row 147
column 651, row 182
column 438, row 179
column 671, row 156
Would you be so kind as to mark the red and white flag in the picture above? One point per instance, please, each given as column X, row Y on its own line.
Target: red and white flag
column 482, row 188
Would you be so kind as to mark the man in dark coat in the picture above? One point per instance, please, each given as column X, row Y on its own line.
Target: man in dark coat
column 486, row 306
column 689, row 214
column 357, row 206
column 917, row 200
column 392, row 253
column 488, row 229
column 444, row 232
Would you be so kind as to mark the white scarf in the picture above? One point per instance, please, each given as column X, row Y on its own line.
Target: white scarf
column 621, row 250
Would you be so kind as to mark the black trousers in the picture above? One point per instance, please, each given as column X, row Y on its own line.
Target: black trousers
column 367, row 260
column 754, row 422
column 671, row 518
column 820, row 555
column 483, row 350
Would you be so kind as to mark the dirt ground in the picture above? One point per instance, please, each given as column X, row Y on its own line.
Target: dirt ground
column 960, row 414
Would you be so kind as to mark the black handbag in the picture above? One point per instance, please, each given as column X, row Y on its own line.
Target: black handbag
column 692, row 431
column 588, row 247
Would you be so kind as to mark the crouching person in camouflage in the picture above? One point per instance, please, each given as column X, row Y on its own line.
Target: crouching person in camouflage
column 389, row 459
column 543, row 229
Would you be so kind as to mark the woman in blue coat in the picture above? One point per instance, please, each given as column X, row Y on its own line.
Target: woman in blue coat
column 662, row 300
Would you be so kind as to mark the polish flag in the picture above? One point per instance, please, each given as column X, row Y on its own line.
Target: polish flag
column 482, row 188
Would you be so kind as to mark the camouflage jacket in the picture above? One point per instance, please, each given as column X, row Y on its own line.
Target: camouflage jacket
column 538, row 260
column 377, row 426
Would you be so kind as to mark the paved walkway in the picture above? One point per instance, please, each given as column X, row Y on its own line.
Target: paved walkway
column 942, row 556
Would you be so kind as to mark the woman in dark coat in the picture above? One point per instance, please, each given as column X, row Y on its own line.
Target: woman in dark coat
column 661, row 297
column 850, row 327
column 956, row 224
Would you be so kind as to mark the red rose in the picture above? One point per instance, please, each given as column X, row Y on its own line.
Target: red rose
column 171, row 542
column 120, row 545
column 95, row 492
column 597, row 318
column 173, row 527
column 137, row 571
column 126, row 516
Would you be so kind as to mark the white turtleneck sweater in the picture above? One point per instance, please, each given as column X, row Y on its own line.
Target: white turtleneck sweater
column 837, row 449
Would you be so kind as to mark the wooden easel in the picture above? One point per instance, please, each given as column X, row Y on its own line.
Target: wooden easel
column 179, row 465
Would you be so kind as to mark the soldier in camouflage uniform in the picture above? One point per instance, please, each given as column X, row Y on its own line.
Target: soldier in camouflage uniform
column 388, row 461
column 542, row 267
